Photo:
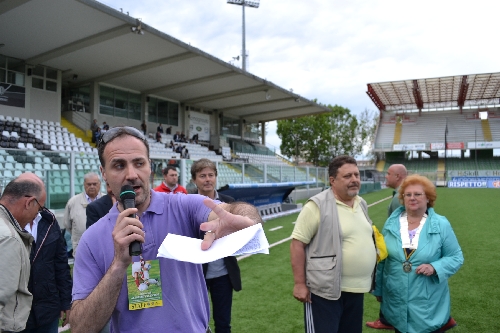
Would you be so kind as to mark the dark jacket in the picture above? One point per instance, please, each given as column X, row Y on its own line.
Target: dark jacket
column 231, row 263
column 97, row 209
column 50, row 279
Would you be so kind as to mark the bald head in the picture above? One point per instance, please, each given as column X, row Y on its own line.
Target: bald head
column 24, row 197
column 395, row 175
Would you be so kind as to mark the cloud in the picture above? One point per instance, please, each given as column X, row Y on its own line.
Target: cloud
column 330, row 50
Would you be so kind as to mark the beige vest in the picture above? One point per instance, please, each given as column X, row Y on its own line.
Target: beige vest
column 324, row 252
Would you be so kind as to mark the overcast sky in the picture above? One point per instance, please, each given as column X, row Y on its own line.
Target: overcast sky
column 330, row 49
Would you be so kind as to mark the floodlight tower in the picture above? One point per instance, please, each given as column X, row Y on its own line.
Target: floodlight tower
column 243, row 4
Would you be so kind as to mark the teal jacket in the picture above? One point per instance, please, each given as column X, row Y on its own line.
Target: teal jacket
column 411, row 302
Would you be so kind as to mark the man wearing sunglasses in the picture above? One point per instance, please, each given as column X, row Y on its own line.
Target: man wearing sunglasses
column 100, row 271
column 20, row 203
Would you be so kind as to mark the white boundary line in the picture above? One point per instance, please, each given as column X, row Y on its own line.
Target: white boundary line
column 289, row 238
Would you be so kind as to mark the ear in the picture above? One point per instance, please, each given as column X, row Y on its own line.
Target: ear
column 103, row 173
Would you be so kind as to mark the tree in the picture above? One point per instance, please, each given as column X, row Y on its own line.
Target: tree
column 319, row 138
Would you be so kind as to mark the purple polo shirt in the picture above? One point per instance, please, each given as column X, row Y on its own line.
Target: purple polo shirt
column 185, row 301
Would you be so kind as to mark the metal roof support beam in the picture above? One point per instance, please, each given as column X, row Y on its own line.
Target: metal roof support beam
column 80, row 44
column 191, row 82
column 7, row 5
column 274, row 101
column 287, row 109
column 232, row 93
column 374, row 97
column 462, row 94
column 418, row 97
column 143, row 67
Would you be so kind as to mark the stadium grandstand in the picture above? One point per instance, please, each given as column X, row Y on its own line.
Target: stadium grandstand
column 68, row 62
column 444, row 128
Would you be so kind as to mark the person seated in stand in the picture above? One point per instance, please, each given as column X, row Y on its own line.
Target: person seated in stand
column 158, row 137
column 195, row 138
column 177, row 137
column 159, row 128
column 169, row 130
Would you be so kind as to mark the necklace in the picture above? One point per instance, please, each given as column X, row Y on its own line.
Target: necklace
column 410, row 222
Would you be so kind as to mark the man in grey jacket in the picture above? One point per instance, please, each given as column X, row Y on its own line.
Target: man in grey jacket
column 20, row 203
column 333, row 254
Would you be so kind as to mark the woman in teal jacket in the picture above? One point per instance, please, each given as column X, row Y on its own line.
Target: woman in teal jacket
column 412, row 282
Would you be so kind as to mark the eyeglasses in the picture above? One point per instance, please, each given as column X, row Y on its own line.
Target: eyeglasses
column 416, row 195
column 41, row 208
column 117, row 131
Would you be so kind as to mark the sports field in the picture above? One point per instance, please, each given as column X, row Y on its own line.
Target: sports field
column 266, row 303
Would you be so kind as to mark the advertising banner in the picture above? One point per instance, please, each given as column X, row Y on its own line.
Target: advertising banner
column 12, row 95
column 199, row 123
column 412, row 146
column 471, row 184
column 483, row 144
column 449, row 145
column 474, row 173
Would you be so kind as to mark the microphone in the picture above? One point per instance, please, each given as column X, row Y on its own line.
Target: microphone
column 127, row 197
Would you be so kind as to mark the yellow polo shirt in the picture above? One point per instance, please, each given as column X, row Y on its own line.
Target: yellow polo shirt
column 358, row 250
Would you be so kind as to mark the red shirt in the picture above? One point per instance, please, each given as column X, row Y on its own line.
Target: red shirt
column 164, row 188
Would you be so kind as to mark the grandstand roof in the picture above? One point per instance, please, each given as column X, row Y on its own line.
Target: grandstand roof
column 474, row 90
column 96, row 43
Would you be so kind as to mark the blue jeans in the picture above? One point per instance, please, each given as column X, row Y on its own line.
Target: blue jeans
column 221, row 293
column 48, row 328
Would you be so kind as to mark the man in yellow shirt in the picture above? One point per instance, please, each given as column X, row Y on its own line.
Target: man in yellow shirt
column 333, row 254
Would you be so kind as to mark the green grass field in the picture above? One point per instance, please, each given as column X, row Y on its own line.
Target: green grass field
column 266, row 303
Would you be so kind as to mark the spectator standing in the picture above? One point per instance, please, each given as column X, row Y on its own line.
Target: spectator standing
column 144, row 127
column 50, row 279
column 93, row 128
column 97, row 135
column 75, row 217
column 170, row 181
column 222, row 275
column 393, row 179
column 333, row 253
column 100, row 207
column 100, row 283
column 20, row 203
column 159, row 128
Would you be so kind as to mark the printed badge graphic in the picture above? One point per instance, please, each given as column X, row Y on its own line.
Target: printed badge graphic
column 144, row 284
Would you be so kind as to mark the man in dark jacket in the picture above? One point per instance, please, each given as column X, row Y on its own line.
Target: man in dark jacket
column 100, row 207
column 50, row 279
column 222, row 275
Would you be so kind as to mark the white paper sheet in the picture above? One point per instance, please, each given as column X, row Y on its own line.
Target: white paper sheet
column 246, row 241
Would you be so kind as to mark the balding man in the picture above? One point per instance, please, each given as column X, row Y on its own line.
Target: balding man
column 75, row 216
column 393, row 179
column 20, row 203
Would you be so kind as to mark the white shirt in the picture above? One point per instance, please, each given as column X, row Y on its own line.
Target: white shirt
column 33, row 230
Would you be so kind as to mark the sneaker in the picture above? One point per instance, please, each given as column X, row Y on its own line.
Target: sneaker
column 378, row 325
column 450, row 324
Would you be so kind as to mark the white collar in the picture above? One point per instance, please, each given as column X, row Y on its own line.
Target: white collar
column 405, row 237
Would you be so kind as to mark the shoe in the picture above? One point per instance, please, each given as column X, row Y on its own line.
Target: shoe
column 378, row 325
column 450, row 324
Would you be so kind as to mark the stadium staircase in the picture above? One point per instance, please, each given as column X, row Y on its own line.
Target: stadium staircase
column 380, row 166
column 397, row 133
column 486, row 130
column 79, row 133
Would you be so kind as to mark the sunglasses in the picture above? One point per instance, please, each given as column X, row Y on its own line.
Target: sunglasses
column 117, row 131
column 41, row 208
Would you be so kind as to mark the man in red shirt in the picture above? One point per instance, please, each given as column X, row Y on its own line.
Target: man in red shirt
column 170, row 179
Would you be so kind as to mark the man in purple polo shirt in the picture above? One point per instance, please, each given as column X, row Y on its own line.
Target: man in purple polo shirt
column 100, row 272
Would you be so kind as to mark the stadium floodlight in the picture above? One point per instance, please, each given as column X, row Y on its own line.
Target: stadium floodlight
column 243, row 4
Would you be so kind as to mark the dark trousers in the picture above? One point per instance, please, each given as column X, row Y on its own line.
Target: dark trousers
column 344, row 315
column 48, row 328
column 221, row 293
